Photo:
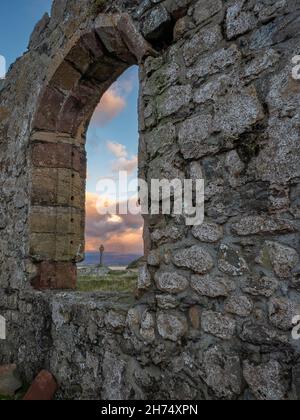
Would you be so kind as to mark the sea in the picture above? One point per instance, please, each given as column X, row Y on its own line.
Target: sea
column 110, row 259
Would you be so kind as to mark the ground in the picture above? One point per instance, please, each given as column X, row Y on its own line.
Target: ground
column 115, row 281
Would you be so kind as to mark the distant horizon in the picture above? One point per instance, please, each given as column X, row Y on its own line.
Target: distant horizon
column 110, row 258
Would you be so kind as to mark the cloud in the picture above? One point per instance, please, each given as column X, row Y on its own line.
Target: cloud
column 118, row 233
column 117, row 149
column 113, row 102
column 127, row 165
column 109, row 107
column 123, row 163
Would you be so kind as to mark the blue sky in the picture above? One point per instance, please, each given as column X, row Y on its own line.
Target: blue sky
column 18, row 18
column 119, row 126
column 112, row 139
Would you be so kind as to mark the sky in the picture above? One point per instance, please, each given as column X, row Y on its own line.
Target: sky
column 112, row 138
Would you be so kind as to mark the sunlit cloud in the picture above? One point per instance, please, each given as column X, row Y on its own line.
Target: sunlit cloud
column 110, row 106
column 127, row 242
column 118, row 233
column 113, row 102
column 117, row 149
column 127, row 165
column 123, row 162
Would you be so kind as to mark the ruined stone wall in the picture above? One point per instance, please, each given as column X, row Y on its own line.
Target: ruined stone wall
column 216, row 302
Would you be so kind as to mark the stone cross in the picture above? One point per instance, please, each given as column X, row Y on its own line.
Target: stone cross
column 101, row 249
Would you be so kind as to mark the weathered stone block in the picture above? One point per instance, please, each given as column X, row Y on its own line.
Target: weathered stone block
column 177, row 8
column 182, row 26
column 145, row 279
column 154, row 258
column 171, row 326
column 238, row 22
column 239, row 305
column 147, row 330
column 202, row 42
column 51, row 103
column 215, row 62
column 213, row 89
column 66, row 77
column 281, row 313
column 169, row 234
column 106, row 28
column 43, row 388
column 135, row 42
column 115, row 320
column 231, row 261
column 212, row 285
column 237, row 112
column 60, row 155
column 155, row 23
column 208, row 232
column 280, row 167
column 53, row 275
column 160, row 139
column 265, row 380
column 253, row 225
column 194, row 137
column 218, row 325
column 222, row 372
column 171, row 282
column 63, row 187
column 9, row 380
column 161, row 79
column 260, row 286
column 56, row 219
column 280, row 257
column 195, row 258
column 205, row 10
column 57, row 247
column 171, row 101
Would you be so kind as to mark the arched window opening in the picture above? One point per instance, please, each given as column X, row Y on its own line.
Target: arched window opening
column 67, row 104
column 113, row 241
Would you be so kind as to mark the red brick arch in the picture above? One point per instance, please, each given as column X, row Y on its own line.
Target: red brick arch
column 58, row 159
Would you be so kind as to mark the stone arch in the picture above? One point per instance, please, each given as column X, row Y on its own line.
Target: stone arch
column 93, row 61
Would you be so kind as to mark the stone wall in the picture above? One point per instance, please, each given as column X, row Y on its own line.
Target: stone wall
column 218, row 101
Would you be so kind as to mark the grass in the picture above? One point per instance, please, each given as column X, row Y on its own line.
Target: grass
column 116, row 281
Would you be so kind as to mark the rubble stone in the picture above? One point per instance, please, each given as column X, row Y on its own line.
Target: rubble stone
column 265, row 380
column 231, row 262
column 280, row 257
column 239, row 305
column 195, row 258
column 171, row 282
column 171, row 326
column 218, row 325
column 9, row 380
column 208, row 232
column 212, row 286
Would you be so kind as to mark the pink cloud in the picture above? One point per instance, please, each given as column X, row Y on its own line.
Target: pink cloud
column 126, row 165
column 111, row 104
column 122, row 233
column 117, row 149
